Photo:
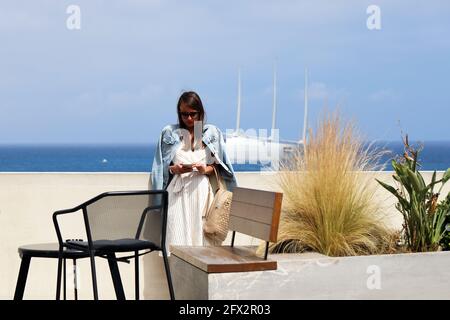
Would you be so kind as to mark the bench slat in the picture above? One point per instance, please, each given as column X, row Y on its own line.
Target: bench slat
column 252, row 228
column 257, row 197
column 223, row 259
column 251, row 212
column 254, row 219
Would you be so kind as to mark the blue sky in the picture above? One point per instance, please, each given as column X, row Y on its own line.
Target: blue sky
column 118, row 78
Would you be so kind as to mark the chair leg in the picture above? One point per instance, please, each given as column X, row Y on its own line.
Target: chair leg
column 75, row 282
column 94, row 277
column 136, row 274
column 58, row 278
column 168, row 275
column 65, row 280
column 22, row 278
column 115, row 275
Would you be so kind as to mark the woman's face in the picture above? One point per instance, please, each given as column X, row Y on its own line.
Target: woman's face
column 188, row 115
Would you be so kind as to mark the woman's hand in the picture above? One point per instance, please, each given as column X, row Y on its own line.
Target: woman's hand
column 179, row 169
column 203, row 168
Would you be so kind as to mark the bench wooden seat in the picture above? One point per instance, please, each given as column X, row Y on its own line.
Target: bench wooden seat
column 224, row 259
column 253, row 212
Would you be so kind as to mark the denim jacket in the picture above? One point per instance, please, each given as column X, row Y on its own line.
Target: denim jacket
column 168, row 144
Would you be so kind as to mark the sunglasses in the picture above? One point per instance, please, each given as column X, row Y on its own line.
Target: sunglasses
column 193, row 115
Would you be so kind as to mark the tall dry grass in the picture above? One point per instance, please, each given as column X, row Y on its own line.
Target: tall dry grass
column 328, row 205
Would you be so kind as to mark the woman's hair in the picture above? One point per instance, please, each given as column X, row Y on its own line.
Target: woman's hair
column 193, row 101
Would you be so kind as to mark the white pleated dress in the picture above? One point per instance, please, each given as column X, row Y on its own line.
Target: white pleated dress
column 190, row 195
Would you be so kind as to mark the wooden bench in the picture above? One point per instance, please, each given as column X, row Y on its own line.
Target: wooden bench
column 253, row 212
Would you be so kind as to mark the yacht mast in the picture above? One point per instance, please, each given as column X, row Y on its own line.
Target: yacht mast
column 238, row 119
column 305, row 117
column 274, row 108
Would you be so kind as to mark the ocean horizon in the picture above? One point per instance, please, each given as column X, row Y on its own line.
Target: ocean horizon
column 139, row 157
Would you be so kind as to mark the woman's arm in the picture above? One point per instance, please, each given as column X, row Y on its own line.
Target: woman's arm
column 204, row 169
column 209, row 169
column 178, row 169
column 157, row 167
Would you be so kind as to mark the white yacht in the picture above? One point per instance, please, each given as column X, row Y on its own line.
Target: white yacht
column 256, row 148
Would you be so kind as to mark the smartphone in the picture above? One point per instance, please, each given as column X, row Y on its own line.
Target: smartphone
column 186, row 165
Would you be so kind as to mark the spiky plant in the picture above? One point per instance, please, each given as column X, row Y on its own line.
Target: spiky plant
column 424, row 218
column 445, row 207
column 329, row 205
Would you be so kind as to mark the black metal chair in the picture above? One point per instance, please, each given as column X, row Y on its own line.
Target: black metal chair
column 118, row 222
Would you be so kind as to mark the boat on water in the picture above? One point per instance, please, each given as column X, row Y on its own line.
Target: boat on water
column 260, row 147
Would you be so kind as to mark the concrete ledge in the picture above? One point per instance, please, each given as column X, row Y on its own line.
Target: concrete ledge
column 315, row 276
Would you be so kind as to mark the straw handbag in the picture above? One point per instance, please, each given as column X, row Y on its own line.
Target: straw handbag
column 217, row 217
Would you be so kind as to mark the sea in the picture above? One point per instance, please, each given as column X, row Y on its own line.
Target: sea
column 138, row 158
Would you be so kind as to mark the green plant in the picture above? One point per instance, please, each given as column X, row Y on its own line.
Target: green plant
column 424, row 223
column 328, row 204
column 445, row 207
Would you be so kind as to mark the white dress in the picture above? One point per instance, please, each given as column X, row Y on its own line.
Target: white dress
column 190, row 195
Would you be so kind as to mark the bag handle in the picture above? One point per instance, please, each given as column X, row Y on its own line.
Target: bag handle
column 220, row 184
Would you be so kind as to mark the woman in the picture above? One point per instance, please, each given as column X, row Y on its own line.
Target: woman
column 186, row 155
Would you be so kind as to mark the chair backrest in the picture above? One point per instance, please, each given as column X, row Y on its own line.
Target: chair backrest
column 256, row 213
column 128, row 215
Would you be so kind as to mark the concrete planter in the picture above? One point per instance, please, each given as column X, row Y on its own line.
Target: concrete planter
column 315, row 276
